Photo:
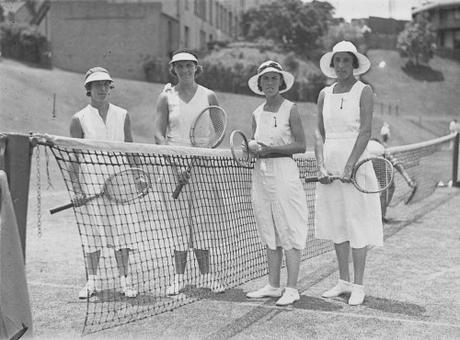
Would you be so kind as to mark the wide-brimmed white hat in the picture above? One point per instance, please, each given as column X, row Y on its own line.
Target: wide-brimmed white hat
column 97, row 73
column 343, row 46
column 183, row 56
column 270, row 66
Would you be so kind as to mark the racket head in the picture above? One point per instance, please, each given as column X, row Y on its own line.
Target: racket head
column 208, row 128
column 373, row 175
column 127, row 185
column 239, row 147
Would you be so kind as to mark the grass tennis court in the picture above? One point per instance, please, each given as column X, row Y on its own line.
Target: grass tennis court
column 412, row 284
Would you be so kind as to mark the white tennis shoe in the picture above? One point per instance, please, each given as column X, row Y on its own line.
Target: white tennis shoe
column 342, row 287
column 290, row 296
column 88, row 290
column 357, row 295
column 265, row 291
column 127, row 287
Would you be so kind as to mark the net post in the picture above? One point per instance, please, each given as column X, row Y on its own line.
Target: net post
column 455, row 181
column 15, row 157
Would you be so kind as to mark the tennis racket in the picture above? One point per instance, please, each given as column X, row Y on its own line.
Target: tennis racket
column 121, row 187
column 240, row 149
column 382, row 167
column 400, row 168
column 207, row 131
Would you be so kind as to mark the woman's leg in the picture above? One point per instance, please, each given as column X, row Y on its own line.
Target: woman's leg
column 293, row 264
column 342, row 251
column 274, row 258
column 359, row 262
column 122, row 258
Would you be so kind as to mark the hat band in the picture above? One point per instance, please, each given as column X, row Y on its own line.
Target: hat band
column 272, row 65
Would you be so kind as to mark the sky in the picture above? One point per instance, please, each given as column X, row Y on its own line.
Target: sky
column 396, row 9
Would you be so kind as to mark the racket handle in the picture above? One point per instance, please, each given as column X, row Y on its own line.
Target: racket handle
column 62, row 207
column 177, row 191
column 311, row 179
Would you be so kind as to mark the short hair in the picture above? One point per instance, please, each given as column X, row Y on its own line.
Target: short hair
column 282, row 87
column 199, row 68
column 88, row 88
column 355, row 60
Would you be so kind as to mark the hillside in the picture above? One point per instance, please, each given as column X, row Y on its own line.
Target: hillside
column 26, row 101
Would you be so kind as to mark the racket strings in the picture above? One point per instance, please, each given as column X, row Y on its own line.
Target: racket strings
column 126, row 185
column 209, row 127
column 374, row 175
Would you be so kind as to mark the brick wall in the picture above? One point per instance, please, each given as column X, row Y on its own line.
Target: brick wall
column 118, row 36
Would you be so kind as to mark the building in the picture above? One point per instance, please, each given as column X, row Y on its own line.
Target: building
column 125, row 35
column 445, row 18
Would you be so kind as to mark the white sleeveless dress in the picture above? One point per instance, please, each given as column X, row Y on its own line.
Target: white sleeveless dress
column 190, row 216
column 110, row 223
column 278, row 198
column 342, row 212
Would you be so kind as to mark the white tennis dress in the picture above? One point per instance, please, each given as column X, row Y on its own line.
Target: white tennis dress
column 191, row 224
column 105, row 223
column 342, row 212
column 278, row 198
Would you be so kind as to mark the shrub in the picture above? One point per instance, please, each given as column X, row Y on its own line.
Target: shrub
column 24, row 42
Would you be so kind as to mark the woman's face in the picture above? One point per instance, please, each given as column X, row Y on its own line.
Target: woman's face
column 343, row 65
column 100, row 90
column 185, row 70
column 270, row 83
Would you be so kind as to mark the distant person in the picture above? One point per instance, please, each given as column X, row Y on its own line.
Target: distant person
column 376, row 149
column 348, row 217
column 278, row 197
column 454, row 127
column 101, row 120
column 177, row 107
column 385, row 132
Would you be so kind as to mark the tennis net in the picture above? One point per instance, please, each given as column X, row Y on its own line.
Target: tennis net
column 213, row 214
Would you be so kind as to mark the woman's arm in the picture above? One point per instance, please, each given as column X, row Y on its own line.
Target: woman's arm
column 297, row 146
column 162, row 120
column 320, row 137
column 365, row 131
column 127, row 129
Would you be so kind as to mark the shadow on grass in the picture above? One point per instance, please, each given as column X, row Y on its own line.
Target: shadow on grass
column 394, row 306
column 422, row 72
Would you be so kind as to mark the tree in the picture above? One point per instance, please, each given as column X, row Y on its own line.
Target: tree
column 417, row 41
column 292, row 24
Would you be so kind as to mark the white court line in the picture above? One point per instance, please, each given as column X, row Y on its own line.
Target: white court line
column 360, row 316
column 53, row 285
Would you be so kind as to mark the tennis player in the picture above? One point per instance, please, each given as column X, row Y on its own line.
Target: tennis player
column 278, row 197
column 177, row 107
column 101, row 120
column 345, row 215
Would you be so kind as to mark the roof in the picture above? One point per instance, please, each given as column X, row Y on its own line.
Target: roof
column 435, row 4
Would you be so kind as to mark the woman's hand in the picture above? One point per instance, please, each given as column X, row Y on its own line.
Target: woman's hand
column 264, row 150
column 324, row 176
column 346, row 175
column 79, row 199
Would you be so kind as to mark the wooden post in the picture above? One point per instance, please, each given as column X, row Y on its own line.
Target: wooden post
column 455, row 181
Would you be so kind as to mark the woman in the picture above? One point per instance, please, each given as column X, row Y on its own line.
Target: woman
column 343, row 214
column 278, row 198
column 177, row 107
column 101, row 120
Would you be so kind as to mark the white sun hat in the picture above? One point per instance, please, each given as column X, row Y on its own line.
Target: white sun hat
column 97, row 73
column 343, row 46
column 270, row 66
column 183, row 56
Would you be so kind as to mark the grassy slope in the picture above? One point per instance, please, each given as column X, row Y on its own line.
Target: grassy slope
column 26, row 101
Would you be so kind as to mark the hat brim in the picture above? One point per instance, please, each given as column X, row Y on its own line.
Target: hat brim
column 98, row 76
column 183, row 57
column 328, row 71
column 288, row 79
